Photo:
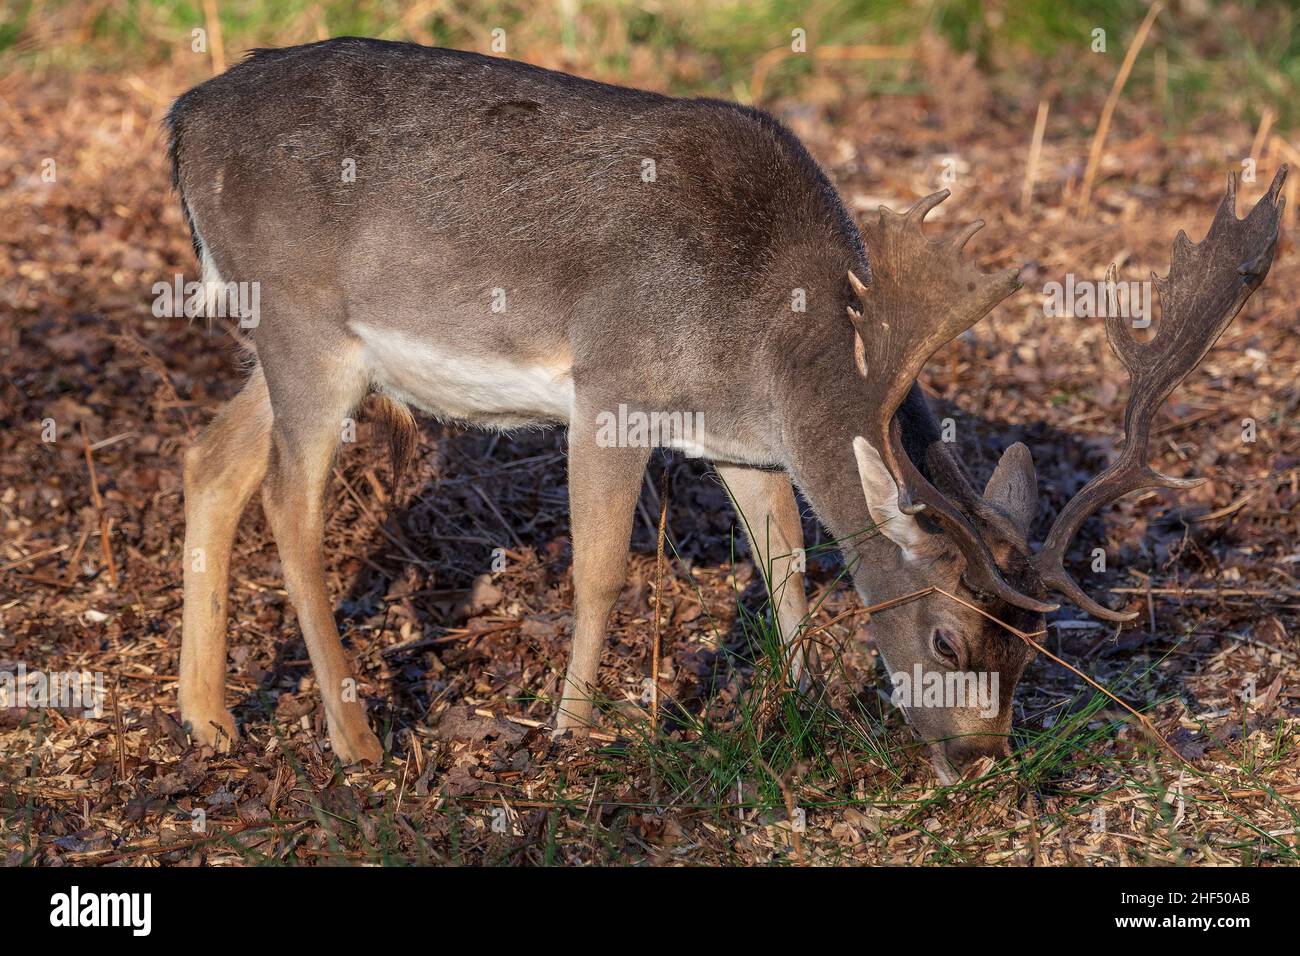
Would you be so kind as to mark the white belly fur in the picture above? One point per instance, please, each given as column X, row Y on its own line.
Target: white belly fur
column 484, row 390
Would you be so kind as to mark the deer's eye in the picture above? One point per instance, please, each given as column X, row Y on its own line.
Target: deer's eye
column 945, row 647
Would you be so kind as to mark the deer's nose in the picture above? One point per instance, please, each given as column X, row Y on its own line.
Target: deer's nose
column 964, row 751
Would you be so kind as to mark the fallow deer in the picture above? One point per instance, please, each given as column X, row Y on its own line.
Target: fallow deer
column 521, row 246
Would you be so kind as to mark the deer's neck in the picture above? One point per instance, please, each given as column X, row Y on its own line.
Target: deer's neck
column 822, row 409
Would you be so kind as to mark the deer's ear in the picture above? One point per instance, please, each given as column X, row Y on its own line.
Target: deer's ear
column 882, row 501
column 1013, row 486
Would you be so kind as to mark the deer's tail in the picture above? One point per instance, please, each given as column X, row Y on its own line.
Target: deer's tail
column 396, row 419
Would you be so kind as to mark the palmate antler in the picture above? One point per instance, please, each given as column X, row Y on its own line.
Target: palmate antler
column 1207, row 284
column 923, row 294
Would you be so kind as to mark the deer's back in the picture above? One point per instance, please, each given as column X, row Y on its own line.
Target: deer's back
column 452, row 197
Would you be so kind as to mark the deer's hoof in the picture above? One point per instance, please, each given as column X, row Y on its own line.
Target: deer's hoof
column 215, row 730
column 560, row 734
column 357, row 746
column 575, row 717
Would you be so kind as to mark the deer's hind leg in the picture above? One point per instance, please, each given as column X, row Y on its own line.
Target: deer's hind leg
column 222, row 470
column 314, row 393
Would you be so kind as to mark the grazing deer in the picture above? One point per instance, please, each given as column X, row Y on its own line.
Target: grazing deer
column 518, row 246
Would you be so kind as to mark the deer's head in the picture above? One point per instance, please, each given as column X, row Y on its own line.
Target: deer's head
column 973, row 548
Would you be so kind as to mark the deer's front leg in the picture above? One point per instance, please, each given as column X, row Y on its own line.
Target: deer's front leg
column 770, row 514
column 604, row 484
